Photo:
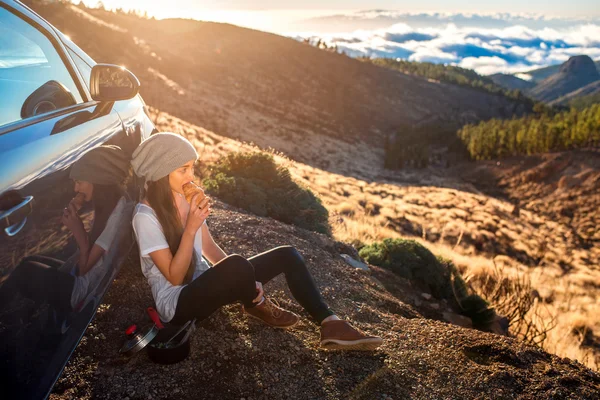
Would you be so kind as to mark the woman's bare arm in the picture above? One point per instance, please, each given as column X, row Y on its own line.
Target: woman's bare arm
column 94, row 256
column 175, row 268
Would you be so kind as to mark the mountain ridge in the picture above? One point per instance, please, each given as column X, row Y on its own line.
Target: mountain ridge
column 539, row 74
column 557, row 84
column 511, row 82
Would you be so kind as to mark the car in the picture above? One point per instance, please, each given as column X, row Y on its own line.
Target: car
column 63, row 119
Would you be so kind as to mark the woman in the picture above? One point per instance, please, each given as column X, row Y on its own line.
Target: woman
column 172, row 235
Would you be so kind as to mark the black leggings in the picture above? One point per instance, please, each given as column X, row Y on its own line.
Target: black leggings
column 233, row 279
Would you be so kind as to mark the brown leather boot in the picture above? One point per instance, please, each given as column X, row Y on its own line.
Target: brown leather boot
column 340, row 335
column 272, row 315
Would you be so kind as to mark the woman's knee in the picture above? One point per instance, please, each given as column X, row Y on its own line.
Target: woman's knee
column 236, row 265
column 290, row 257
column 287, row 251
column 234, row 258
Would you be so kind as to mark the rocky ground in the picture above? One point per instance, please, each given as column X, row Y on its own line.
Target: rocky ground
column 234, row 358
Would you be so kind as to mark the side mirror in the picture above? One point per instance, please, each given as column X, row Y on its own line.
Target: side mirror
column 112, row 83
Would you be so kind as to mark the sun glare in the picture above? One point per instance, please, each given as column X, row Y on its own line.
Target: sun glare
column 278, row 21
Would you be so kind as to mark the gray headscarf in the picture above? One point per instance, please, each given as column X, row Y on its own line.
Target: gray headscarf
column 161, row 154
column 103, row 165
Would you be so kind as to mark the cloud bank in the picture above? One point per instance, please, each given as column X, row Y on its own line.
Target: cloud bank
column 508, row 44
column 377, row 19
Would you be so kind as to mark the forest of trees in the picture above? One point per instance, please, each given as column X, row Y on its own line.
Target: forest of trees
column 450, row 74
column 546, row 130
column 533, row 134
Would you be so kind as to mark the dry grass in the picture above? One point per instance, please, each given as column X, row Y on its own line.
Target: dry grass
column 474, row 230
column 512, row 295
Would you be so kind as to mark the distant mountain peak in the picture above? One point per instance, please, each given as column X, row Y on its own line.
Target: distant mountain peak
column 574, row 74
column 580, row 65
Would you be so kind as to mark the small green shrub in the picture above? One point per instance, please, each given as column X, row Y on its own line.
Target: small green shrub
column 412, row 260
column 253, row 181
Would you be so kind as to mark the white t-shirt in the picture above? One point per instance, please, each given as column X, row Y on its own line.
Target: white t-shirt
column 150, row 237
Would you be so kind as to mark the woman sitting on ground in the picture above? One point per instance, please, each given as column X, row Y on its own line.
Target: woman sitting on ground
column 172, row 235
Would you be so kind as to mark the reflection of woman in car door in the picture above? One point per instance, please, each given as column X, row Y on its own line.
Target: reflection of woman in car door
column 98, row 178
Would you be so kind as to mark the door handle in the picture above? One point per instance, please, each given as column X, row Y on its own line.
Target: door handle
column 18, row 212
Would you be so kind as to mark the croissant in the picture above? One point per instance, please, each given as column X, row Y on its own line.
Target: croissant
column 190, row 189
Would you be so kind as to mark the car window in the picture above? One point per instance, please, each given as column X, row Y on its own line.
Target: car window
column 82, row 66
column 33, row 78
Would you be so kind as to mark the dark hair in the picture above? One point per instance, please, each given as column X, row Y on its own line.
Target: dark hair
column 161, row 200
column 105, row 199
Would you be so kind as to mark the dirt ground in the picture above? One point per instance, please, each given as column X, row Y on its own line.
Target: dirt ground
column 234, row 358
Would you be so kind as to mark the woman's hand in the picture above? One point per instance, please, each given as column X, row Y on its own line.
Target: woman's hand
column 260, row 291
column 196, row 216
column 71, row 220
column 77, row 201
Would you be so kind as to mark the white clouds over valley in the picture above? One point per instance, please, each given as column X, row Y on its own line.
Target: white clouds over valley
column 500, row 44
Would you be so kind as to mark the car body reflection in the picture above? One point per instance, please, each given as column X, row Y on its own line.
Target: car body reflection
column 76, row 255
column 55, row 266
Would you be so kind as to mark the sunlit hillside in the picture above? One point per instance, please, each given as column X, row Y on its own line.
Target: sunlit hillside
column 448, row 211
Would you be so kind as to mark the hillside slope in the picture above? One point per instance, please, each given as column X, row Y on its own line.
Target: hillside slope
column 593, row 89
column 511, row 82
column 563, row 186
column 465, row 214
column 266, row 88
column 234, row 358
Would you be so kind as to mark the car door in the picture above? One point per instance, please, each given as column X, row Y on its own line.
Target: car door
column 47, row 123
